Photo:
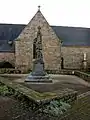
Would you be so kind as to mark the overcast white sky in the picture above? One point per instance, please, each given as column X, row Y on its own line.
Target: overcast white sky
column 56, row 12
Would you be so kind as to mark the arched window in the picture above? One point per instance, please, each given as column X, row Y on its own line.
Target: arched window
column 34, row 48
column 62, row 63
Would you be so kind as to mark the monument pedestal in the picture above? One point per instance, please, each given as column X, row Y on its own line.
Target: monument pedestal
column 38, row 79
column 38, row 74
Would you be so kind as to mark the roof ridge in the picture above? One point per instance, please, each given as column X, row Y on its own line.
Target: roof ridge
column 11, row 24
column 69, row 27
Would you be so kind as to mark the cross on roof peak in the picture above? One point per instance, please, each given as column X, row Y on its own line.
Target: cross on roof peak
column 39, row 8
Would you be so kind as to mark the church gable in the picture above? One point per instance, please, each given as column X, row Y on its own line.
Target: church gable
column 50, row 43
column 30, row 31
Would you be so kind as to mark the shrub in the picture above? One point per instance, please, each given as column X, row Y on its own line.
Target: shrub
column 4, row 90
column 56, row 108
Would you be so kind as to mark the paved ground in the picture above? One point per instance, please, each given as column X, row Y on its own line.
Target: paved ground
column 60, row 82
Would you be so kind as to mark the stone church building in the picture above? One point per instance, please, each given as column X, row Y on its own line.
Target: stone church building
column 63, row 47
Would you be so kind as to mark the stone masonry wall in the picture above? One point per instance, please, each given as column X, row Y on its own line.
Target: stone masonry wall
column 8, row 57
column 50, row 45
column 73, row 57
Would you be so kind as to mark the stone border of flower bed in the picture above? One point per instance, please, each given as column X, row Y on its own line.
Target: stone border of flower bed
column 27, row 94
column 83, row 75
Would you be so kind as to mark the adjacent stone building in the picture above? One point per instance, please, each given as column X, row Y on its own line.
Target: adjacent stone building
column 63, row 47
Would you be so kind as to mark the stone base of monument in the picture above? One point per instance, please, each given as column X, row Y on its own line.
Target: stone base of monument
column 38, row 73
column 38, row 79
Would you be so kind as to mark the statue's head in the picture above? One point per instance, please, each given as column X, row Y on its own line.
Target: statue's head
column 39, row 28
column 39, row 32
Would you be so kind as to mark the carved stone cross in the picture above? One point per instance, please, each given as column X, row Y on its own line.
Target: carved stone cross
column 39, row 8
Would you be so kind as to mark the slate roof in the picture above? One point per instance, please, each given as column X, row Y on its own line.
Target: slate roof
column 9, row 32
column 5, row 47
column 71, row 36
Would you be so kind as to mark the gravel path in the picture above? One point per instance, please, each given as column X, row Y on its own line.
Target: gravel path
column 11, row 109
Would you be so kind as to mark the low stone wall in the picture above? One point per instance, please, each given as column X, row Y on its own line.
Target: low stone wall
column 9, row 71
column 17, row 71
column 63, row 72
column 8, row 57
column 83, row 75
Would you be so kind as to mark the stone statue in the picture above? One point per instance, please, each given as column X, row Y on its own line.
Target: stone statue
column 38, row 45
